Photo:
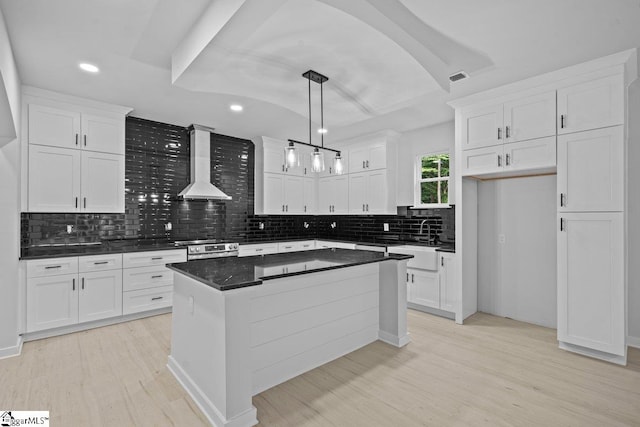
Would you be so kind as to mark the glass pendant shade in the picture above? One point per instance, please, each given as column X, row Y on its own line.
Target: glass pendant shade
column 338, row 166
column 317, row 161
column 291, row 157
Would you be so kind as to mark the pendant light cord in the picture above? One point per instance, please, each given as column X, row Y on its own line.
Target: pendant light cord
column 309, row 80
column 321, row 116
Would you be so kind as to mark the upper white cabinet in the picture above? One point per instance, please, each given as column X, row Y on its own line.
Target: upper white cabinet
column 365, row 157
column 369, row 193
column 516, row 120
column 74, row 158
column 285, row 194
column 333, row 195
column 591, row 171
column 591, row 105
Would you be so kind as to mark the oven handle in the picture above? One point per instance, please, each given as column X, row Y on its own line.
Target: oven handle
column 212, row 255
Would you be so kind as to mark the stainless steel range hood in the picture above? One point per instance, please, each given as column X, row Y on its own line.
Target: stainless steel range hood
column 200, row 187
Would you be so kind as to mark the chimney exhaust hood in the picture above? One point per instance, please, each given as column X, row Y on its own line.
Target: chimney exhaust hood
column 200, row 187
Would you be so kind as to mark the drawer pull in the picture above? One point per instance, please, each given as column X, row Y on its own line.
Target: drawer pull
column 101, row 263
column 156, row 258
column 157, row 276
column 156, row 298
column 49, row 267
column 259, row 250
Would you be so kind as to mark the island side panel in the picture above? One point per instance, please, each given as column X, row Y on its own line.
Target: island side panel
column 301, row 322
column 210, row 350
column 393, row 303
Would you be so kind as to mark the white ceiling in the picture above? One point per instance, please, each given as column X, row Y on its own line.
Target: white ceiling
column 387, row 60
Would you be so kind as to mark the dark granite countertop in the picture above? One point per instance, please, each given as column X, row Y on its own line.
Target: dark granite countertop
column 232, row 273
column 105, row 247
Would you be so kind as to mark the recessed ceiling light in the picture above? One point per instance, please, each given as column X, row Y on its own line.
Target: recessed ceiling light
column 90, row 68
column 322, row 130
column 235, row 107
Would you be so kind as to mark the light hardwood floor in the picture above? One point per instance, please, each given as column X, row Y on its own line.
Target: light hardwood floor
column 491, row 371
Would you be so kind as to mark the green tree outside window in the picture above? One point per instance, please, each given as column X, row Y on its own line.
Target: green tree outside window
column 433, row 180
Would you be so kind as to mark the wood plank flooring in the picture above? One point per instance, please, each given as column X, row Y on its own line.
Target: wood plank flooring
column 491, row 371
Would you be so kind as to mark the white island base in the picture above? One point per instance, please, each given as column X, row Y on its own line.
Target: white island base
column 228, row 346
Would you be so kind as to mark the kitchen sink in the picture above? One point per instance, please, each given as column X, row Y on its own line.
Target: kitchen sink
column 424, row 257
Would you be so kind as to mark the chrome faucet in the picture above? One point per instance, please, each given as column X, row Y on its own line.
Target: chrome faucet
column 428, row 229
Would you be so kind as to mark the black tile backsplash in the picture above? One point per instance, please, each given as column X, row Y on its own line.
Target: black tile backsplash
column 157, row 169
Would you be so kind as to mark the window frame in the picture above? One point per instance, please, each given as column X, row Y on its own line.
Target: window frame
column 418, row 180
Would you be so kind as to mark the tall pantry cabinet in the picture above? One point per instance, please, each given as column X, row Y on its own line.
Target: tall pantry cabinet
column 587, row 147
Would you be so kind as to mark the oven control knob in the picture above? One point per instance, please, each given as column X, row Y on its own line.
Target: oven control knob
column 233, row 247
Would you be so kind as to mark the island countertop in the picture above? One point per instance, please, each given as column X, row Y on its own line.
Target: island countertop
column 238, row 272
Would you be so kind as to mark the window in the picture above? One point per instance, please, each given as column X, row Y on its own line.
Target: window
column 432, row 180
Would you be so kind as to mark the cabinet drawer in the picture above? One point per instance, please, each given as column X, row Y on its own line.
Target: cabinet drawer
column 52, row 266
column 144, row 259
column 296, row 246
column 146, row 277
column 99, row 262
column 262, row 249
column 147, row 299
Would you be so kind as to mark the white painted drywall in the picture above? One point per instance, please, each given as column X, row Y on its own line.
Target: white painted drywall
column 517, row 278
column 633, row 215
column 427, row 140
column 9, row 203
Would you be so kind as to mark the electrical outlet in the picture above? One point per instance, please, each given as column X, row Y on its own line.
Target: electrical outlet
column 168, row 226
column 385, row 227
column 261, row 226
column 69, row 229
column 501, row 238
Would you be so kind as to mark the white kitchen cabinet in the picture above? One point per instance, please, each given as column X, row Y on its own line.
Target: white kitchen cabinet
column 591, row 105
column 591, row 170
column 517, row 120
column 52, row 301
column 325, row 244
column 100, row 295
column 54, row 127
column 423, row 287
column 591, row 287
column 54, row 179
column 310, row 196
column 134, row 279
column 333, row 195
column 102, row 133
column 446, row 276
column 147, row 299
column 296, row 246
column 102, row 182
column 273, row 193
column 150, row 258
column 258, row 249
column 368, row 193
column 87, row 264
column 273, row 157
column 293, row 195
column 284, row 194
column 358, row 192
column 482, row 161
column 364, row 157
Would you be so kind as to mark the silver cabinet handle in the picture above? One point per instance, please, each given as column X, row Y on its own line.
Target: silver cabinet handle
column 305, row 208
column 363, row 207
column 287, row 208
column 85, row 202
column 412, row 278
column 282, row 168
column 259, row 249
column 499, row 133
column 563, row 201
column 407, row 277
column 363, row 164
column 562, row 226
column 156, row 258
column 506, row 158
column 330, row 170
column 506, row 131
column 562, row 119
column 442, row 261
column 49, row 267
column 76, row 139
column 305, row 171
column 74, row 285
column 83, row 283
column 499, row 160
column 367, row 163
column 85, row 139
column 367, row 207
column 156, row 298
column 157, row 276
column 76, row 203
column 100, row 262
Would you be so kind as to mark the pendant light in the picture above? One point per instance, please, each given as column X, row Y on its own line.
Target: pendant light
column 291, row 158
column 317, row 156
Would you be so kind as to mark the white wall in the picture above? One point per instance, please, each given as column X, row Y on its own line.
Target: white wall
column 633, row 215
column 438, row 138
column 9, row 204
column 517, row 278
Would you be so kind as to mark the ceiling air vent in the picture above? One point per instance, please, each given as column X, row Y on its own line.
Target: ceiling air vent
column 458, row 76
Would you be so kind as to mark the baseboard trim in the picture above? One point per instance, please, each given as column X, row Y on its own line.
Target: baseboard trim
column 393, row 339
column 48, row 333
column 607, row 357
column 633, row 342
column 247, row 418
column 12, row 351
column 434, row 311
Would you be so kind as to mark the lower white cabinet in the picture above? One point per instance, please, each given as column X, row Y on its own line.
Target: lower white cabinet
column 423, row 287
column 591, row 289
column 52, row 301
column 296, row 246
column 258, row 249
column 147, row 299
column 100, row 295
column 446, row 274
column 327, row 244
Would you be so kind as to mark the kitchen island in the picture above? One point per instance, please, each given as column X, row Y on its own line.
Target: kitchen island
column 243, row 325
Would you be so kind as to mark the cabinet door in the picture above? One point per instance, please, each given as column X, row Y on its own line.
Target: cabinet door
column 102, row 182
column 54, row 179
column 100, row 295
column 530, row 118
column 377, row 195
column 591, row 170
column 273, row 193
column 325, row 195
column 53, row 126
column 530, row 155
column 310, row 200
column 482, row 127
column 294, row 194
column 425, row 287
column 448, row 294
column 104, row 134
column 358, row 184
column 482, row 160
column 377, row 157
column 591, row 295
column 273, row 158
column 358, row 159
column 52, row 302
column 591, row 105
column 341, row 194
